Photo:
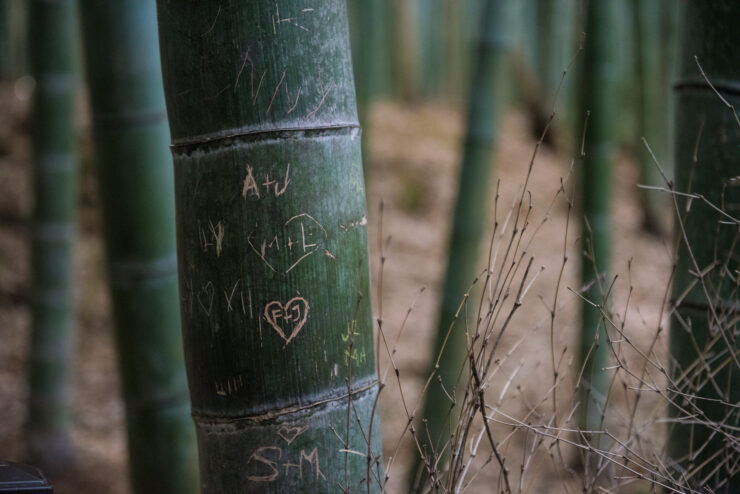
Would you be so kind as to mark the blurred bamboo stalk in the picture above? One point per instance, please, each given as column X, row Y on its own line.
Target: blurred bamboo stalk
column 53, row 57
column 704, row 345
column 369, row 40
column 5, row 40
column 406, row 49
column 134, row 168
column 600, row 81
column 431, row 25
column 653, row 103
column 484, row 106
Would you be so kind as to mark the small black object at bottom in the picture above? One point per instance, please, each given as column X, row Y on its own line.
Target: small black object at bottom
column 25, row 479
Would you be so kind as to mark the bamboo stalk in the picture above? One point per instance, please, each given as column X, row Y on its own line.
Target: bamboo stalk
column 5, row 41
column 272, row 245
column 599, row 84
column 368, row 35
column 704, row 333
column 431, row 21
column 136, row 186
column 406, row 49
column 653, row 103
column 484, row 107
column 53, row 55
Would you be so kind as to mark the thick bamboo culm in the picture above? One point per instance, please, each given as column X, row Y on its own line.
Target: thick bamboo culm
column 704, row 330
column 598, row 85
column 484, row 106
column 272, row 245
column 134, row 168
column 53, row 57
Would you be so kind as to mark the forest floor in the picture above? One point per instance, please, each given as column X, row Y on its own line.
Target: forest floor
column 415, row 156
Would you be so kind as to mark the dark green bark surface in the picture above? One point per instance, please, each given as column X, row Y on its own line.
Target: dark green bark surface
column 474, row 192
column 54, row 66
column 136, row 186
column 599, row 84
column 272, row 244
column 5, row 41
column 705, row 326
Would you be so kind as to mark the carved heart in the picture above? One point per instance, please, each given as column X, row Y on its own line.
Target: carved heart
column 290, row 433
column 293, row 314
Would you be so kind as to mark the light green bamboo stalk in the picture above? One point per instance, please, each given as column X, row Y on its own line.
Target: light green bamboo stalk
column 704, row 330
column 272, row 245
column 406, row 48
column 431, row 23
column 368, row 30
column 556, row 46
column 19, row 37
column 599, row 84
column 484, row 106
column 53, row 56
column 136, row 186
column 653, row 104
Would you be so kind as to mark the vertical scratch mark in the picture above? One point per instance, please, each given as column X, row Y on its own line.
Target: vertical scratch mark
column 296, row 101
column 276, row 91
column 195, row 191
column 260, row 326
column 229, row 297
column 324, row 94
column 250, row 304
column 214, row 21
column 259, row 86
column 241, row 296
column 239, row 74
column 218, row 236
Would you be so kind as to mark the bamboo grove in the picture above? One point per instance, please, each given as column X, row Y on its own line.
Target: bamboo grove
column 232, row 157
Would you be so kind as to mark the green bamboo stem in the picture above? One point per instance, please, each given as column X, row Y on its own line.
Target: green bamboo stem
column 272, row 245
column 136, row 186
column 599, row 83
column 669, row 11
column 431, row 23
column 556, row 46
column 368, row 35
column 453, row 52
column 484, row 106
column 704, row 332
column 20, row 39
column 53, row 55
column 5, row 40
column 406, row 49
column 653, row 102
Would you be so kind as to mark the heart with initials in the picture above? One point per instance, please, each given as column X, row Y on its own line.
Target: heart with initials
column 287, row 320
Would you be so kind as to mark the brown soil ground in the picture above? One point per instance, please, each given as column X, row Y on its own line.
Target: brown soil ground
column 415, row 155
